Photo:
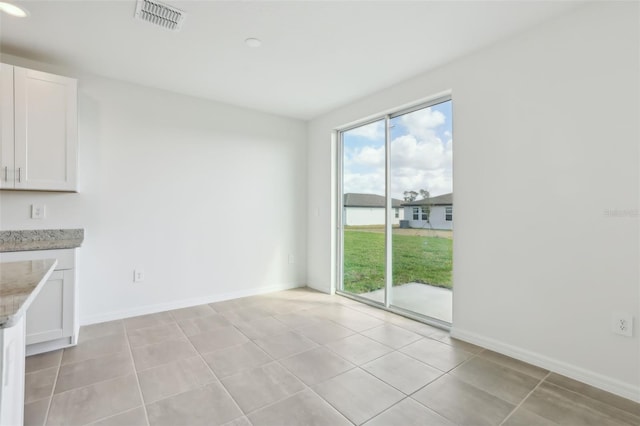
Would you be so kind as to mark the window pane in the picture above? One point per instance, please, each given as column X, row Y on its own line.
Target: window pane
column 421, row 171
column 363, row 235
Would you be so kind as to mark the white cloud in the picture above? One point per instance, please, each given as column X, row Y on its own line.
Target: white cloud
column 407, row 151
column 373, row 131
column 419, row 158
column 437, row 182
column 422, row 123
column 369, row 156
column 365, row 183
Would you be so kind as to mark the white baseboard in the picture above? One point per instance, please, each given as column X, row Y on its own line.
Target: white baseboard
column 597, row 380
column 320, row 289
column 184, row 303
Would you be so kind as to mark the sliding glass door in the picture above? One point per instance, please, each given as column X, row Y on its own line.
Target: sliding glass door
column 397, row 211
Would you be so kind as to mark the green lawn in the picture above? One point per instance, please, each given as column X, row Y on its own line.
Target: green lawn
column 419, row 259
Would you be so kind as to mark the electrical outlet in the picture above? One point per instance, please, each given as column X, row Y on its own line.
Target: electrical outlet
column 622, row 323
column 37, row 211
column 138, row 275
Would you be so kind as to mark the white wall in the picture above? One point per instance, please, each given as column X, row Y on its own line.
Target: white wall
column 437, row 218
column 549, row 118
column 360, row 216
column 355, row 216
column 162, row 179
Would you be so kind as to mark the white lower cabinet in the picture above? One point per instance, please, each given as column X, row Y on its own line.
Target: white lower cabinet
column 48, row 318
column 12, row 370
column 52, row 319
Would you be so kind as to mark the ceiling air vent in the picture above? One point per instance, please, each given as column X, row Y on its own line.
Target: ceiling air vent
column 160, row 14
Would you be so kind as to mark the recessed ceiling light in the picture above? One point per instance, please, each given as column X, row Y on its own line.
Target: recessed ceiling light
column 13, row 10
column 253, row 42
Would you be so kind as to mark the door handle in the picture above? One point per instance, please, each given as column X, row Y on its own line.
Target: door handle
column 19, row 174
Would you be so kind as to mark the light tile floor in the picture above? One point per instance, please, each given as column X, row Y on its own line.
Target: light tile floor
column 298, row 357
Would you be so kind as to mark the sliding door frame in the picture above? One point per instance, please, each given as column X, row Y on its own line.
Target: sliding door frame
column 388, row 294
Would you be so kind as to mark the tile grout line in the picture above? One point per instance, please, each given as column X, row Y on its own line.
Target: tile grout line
column 462, row 363
column 366, row 362
column 53, row 389
column 154, row 343
column 135, row 371
column 127, row 329
column 433, row 366
column 92, row 357
column 93, row 383
column 393, row 349
column 444, row 373
column 212, row 372
column 387, row 409
column 110, row 416
column 95, row 358
column 525, row 398
column 356, row 366
column 588, row 396
column 177, row 393
column 405, row 396
column 59, row 367
column 277, row 361
column 331, row 405
column 273, row 360
column 317, row 345
column 276, row 401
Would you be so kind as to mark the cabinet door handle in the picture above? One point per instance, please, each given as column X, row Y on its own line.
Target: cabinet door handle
column 6, row 173
column 19, row 174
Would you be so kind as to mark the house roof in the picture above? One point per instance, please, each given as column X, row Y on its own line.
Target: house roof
column 368, row 200
column 440, row 200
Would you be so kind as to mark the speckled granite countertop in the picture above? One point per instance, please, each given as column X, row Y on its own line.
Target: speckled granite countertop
column 40, row 239
column 20, row 282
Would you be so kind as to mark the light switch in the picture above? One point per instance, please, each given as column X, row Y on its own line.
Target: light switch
column 37, row 211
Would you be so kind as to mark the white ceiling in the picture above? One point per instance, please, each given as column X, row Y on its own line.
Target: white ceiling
column 315, row 56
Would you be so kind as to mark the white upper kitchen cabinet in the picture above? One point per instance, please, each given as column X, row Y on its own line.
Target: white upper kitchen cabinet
column 39, row 131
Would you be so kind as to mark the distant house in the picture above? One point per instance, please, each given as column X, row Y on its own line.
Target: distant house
column 433, row 213
column 368, row 209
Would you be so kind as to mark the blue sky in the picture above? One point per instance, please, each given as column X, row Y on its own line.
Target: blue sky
column 421, row 154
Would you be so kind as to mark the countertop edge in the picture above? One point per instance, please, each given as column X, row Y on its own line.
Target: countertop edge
column 40, row 239
column 47, row 245
column 12, row 319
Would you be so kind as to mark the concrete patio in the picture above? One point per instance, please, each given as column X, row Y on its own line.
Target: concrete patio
column 434, row 302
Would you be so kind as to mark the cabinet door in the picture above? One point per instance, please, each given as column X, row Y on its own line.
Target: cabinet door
column 6, row 126
column 46, row 136
column 50, row 316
